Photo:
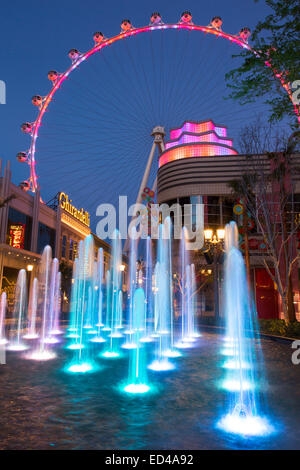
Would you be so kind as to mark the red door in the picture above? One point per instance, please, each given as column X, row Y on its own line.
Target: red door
column 266, row 295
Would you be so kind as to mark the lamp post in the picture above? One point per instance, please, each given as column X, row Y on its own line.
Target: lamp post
column 139, row 271
column 214, row 243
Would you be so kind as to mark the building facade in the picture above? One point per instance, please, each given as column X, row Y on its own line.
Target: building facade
column 27, row 225
column 198, row 165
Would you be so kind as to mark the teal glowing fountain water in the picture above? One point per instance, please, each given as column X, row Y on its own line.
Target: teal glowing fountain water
column 84, row 308
column 164, row 321
column 114, row 299
column 137, row 382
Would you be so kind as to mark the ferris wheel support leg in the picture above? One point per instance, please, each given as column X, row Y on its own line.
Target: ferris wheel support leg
column 158, row 133
column 154, row 187
column 161, row 147
column 142, row 187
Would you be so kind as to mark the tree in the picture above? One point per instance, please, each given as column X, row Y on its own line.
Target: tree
column 259, row 137
column 276, row 39
column 267, row 188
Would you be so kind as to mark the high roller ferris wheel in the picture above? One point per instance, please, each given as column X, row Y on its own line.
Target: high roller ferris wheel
column 100, row 42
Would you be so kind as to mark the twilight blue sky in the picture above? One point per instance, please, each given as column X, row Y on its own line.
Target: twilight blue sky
column 35, row 37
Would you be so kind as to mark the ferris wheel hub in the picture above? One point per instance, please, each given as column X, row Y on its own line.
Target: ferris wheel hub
column 158, row 133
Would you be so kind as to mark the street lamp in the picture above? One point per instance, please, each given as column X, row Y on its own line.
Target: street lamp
column 214, row 238
column 214, row 242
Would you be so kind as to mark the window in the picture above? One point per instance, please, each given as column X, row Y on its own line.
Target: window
column 75, row 249
column 19, row 228
column 63, row 246
column 213, row 211
column 46, row 236
column 227, row 211
column 71, row 249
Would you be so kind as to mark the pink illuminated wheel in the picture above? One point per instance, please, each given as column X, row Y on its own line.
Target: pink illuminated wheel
column 56, row 151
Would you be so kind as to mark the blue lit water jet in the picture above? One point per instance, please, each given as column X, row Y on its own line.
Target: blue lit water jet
column 148, row 315
column 137, row 381
column 244, row 415
column 84, row 302
column 114, row 308
column 187, row 285
column 129, row 343
column 163, row 303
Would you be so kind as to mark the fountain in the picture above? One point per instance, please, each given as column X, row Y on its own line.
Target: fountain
column 32, row 311
column 188, row 332
column 129, row 344
column 19, row 314
column 3, row 306
column 113, row 306
column 57, row 307
column 53, row 307
column 108, row 302
column 117, row 302
column 46, row 282
column 137, row 382
column 244, row 415
column 83, row 303
column 99, row 298
column 148, row 316
column 191, row 332
column 74, row 297
column 119, row 316
column 97, row 306
column 164, row 302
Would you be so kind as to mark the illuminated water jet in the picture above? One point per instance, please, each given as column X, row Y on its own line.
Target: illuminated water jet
column 139, row 388
column 32, row 311
column 110, row 354
column 19, row 314
column 3, row 306
column 41, row 355
column 80, row 368
column 17, row 347
column 75, row 346
column 244, row 414
column 98, row 339
column 161, row 365
column 246, row 425
column 129, row 346
column 137, row 376
column 172, row 353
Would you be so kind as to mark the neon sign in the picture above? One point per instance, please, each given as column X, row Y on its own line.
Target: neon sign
column 16, row 235
column 65, row 204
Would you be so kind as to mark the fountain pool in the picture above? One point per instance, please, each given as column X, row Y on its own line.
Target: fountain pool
column 45, row 408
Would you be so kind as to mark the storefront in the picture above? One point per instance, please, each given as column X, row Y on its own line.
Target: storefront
column 199, row 163
column 27, row 225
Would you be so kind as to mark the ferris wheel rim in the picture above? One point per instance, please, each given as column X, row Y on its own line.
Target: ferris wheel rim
column 33, row 179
